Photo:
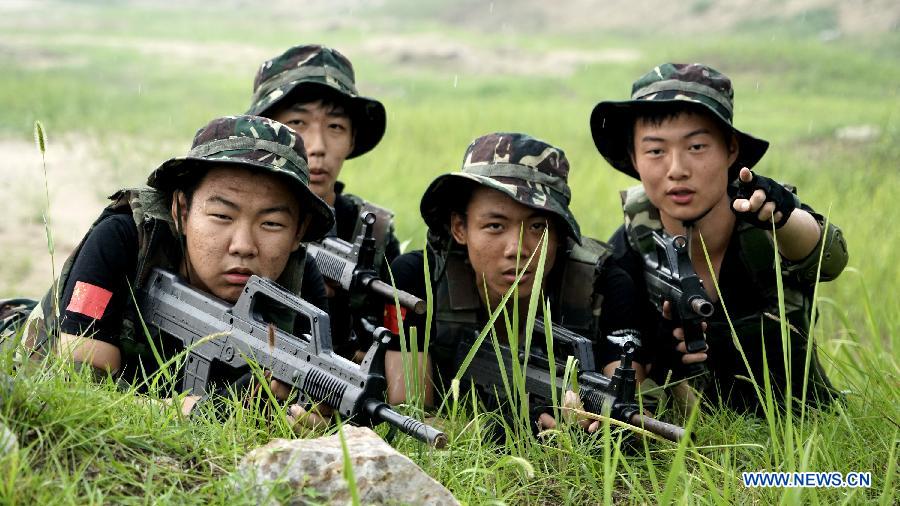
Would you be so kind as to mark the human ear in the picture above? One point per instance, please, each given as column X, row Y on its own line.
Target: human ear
column 301, row 231
column 179, row 209
column 733, row 149
column 458, row 228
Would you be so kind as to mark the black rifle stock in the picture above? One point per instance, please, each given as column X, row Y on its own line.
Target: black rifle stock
column 352, row 266
column 216, row 331
column 676, row 281
column 614, row 397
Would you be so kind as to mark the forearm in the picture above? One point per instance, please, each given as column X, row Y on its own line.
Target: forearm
column 396, row 381
column 101, row 355
column 799, row 235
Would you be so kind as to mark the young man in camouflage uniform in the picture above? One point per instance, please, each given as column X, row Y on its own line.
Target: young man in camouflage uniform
column 312, row 89
column 237, row 205
column 676, row 136
column 510, row 184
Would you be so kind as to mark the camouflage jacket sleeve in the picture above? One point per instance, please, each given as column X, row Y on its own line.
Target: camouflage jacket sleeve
column 832, row 248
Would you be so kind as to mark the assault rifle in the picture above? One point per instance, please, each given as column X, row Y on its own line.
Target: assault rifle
column 676, row 281
column 614, row 397
column 297, row 349
column 352, row 266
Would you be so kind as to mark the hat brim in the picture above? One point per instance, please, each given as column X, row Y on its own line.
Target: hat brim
column 167, row 176
column 368, row 115
column 437, row 202
column 611, row 122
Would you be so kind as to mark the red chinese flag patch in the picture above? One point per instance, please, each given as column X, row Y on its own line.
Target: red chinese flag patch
column 390, row 317
column 89, row 300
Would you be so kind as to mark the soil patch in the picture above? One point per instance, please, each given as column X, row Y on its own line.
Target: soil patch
column 76, row 180
column 433, row 50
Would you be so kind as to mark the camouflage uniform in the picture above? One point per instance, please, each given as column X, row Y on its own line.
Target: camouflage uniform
column 704, row 90
column 311, row 72
column 534, row 174
column 242, row 141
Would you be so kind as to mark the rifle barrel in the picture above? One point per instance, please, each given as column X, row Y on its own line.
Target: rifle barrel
column 663, row 429
column 406, row 299
column 379, row 411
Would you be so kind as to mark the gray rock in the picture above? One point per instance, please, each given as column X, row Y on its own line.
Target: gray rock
column 383, row 475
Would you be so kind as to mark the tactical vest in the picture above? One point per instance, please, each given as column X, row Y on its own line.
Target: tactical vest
column 457, row 304
column 158, row 246
column 383, row 227
column 757, row 250
column 757, row 254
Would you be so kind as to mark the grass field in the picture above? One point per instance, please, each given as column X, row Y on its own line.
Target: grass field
column 121, row 86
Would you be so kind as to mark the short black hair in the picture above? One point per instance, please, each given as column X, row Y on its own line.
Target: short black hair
column 332, row 100
column 665, row 111
column 188, row 183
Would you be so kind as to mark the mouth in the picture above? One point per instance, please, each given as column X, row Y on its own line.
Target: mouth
column 680, row 195
column 510, row 275
column 238, row 275
column 317, row 175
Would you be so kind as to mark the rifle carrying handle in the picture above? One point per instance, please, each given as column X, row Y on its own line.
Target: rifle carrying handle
column 663, row 429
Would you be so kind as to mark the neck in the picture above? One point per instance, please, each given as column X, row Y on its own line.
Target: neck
column 330, row 196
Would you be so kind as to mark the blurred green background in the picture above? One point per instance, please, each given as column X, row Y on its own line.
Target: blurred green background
column 121, row 86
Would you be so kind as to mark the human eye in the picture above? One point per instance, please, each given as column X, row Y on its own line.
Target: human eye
column 697, row 146
column 493, row 226
column 539, row 226
column 273, row 225
column 337, row 126
column 219, row 217
column 295, row 122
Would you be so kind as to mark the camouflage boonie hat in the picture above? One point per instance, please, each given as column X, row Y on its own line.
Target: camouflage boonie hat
column 528, row 170
column 300, row 70
column 255, row 143
column 693, row 83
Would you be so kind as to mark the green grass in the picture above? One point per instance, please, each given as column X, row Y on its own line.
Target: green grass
column 79, row 68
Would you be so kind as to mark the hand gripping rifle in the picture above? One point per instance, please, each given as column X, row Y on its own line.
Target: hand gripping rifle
column 676, row 281
column 352, row 266
column 613, row 397
column 215, row 331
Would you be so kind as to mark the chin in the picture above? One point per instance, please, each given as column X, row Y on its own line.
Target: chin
column 229, row 295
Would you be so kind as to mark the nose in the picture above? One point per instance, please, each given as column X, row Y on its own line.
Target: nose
column 678, row 168
column 243, row 241
column 513, row 246
column 313, row 140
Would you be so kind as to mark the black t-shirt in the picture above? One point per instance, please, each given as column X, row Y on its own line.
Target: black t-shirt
column 97, row 293
column 343, row 340
column 618, row 310
column 747, row 310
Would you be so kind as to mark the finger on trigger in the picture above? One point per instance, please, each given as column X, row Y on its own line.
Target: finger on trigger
column 693, row 358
